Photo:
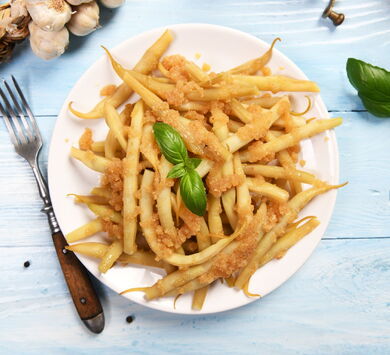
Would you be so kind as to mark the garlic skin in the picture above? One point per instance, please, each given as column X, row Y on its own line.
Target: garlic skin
column 85, row 19
column 49, row 15
column 77, row 2
column 112, row 4
column 48, row 45
column 18, row 9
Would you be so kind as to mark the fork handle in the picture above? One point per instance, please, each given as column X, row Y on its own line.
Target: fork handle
column 76, row 276
column 83, row 294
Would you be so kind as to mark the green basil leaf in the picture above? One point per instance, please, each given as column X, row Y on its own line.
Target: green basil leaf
column 177, row 171
column 372, row 84
column 193, row 192
column 170, row 143
column 377, row 108
column 372, row 81
column 193, row 163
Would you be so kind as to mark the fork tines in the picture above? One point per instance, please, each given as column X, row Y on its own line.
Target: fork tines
column 18, row 116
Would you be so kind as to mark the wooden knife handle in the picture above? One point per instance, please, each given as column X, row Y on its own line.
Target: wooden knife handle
column 84, row 296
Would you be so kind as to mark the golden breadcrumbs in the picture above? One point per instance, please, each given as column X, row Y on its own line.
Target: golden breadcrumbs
column 85, row 141
column 108, row 90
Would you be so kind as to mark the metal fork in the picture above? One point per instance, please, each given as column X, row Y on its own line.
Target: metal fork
column 27, row 140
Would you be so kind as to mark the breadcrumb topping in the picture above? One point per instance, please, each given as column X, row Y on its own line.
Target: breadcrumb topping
column 253, row 153
column 113, row 180
column 218, row 184
column 169, row 241
column 266, row 71
column 225, row 265
column 195, row 116
column 108, row 90
column 113, row 230
column 85, row 141
column 175, row 65
column 275, row 211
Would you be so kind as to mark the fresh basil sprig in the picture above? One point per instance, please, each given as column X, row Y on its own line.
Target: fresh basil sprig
column 372, row 84
column 172, row 146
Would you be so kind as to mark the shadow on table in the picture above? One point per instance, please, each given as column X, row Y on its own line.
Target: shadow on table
column 18, row 51
column 325, row 22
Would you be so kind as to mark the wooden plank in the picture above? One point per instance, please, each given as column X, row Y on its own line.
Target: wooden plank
column 337, row 303
column 319, row 48
column 21, row 221
column 363, row 206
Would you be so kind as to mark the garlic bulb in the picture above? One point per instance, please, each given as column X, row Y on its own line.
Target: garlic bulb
column 77, row 2
column 48, row 45
column 49, row 15
column 111, row 4
column 85, row 20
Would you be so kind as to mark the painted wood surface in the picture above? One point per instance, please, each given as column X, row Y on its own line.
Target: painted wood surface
column 338, row 303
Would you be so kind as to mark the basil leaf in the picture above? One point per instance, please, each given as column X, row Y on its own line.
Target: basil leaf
column 170, row 143
column 193, row 163
column 373, row 81
column 172, row 147
column 377, row 108
column 177, row 171
column 193, row 193
column 372, row 84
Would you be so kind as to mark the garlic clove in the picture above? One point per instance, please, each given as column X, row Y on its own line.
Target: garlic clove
column 112, row 4
column 77, row 2
column 18, row 9
column 85, row 19
column 48, row 45
column 49, row 15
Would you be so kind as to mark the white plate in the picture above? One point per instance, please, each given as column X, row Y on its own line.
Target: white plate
column 222, row 48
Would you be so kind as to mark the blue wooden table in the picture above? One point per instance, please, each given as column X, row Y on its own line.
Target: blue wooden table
column 338, row 303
